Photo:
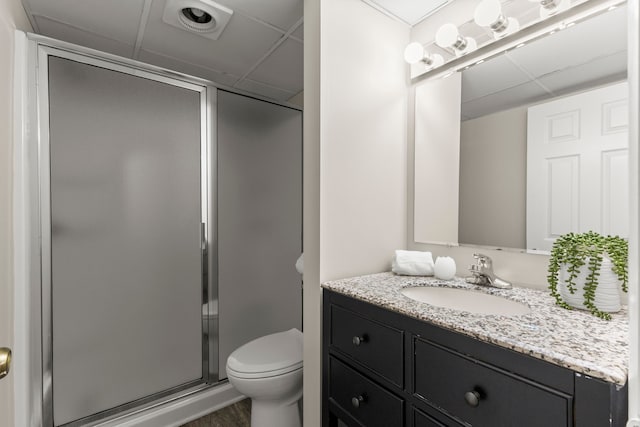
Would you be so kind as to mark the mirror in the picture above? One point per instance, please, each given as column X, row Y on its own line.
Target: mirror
column 496, row 200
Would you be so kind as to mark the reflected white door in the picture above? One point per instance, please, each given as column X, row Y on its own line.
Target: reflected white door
column 577, row 166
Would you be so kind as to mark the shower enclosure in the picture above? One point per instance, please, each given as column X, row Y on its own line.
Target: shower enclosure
column 167, row 221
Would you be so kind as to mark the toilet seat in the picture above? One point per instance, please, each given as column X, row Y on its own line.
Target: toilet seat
column 267, row 356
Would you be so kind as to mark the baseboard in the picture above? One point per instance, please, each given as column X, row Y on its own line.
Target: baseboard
column 181, row 411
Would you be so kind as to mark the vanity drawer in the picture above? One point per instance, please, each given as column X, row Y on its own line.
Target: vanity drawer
column 378, row 347
column 420, row 419
column 370, row 404
column 482, row 396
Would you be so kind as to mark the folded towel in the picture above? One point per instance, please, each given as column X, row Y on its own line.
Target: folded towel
column 412, row 263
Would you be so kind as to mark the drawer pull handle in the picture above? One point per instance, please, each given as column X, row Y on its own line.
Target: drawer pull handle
column 357, row 401
column 472, row 398
column 359, row 340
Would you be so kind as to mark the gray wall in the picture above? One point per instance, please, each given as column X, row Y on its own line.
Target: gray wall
column 493, row 158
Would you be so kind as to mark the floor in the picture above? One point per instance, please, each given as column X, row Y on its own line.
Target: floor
column 236, row 415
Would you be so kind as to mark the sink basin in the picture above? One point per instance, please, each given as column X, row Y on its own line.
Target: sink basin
column 466, row 300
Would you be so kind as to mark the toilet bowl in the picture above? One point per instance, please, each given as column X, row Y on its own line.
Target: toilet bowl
column 268, row 370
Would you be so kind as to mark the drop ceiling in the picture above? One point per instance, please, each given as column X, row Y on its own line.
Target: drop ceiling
column 411, row 12
column 575, row 58
column 260, row 51
column 589, row 54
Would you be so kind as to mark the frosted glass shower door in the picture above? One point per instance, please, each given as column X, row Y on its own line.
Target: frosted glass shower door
column 259, row 220
column 126, row 213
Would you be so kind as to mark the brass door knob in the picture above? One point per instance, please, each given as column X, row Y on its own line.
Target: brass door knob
column 5, row 361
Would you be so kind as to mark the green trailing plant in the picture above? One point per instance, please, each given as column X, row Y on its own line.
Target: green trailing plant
column 575, row 250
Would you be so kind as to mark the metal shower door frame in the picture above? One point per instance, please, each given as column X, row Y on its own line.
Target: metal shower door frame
column 40, row 49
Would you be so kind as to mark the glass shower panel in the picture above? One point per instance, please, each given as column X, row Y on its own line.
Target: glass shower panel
column 259, row 220
column 125, row 237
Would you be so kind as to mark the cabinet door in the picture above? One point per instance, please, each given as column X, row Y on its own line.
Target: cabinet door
column 482, row 396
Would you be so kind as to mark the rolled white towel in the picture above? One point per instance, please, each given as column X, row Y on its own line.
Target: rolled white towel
column 412, row 263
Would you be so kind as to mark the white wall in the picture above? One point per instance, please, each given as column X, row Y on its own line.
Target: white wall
column 437, row 152
column 354, row 156
column 12, row 16
column 363, row 111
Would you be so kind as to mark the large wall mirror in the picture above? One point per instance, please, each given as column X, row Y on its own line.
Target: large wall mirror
column 517, row 188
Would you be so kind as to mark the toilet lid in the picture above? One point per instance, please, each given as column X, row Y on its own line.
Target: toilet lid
column 273, row 354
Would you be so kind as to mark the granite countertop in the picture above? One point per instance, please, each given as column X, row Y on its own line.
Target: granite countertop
column 573, row 339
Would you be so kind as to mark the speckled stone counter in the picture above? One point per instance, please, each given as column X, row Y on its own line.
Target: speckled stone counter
column 570, row 338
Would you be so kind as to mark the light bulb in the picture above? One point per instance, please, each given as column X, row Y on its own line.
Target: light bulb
column 413, row 53
column 488, row 13
column 551, row 7
column 448, row 37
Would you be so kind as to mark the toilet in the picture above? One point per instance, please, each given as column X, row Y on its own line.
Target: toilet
column 269, row 371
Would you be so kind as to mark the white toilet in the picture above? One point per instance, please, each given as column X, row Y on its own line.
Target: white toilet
column 269, row 371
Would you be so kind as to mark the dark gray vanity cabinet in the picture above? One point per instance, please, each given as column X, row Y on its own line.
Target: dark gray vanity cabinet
column 381, row 368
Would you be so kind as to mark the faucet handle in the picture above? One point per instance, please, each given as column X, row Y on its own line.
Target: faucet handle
column 483, row 260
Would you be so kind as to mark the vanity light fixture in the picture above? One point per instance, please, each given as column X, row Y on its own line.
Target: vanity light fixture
column 551, row 7
column 415, row 52
column 448, row 37
column 488, row 13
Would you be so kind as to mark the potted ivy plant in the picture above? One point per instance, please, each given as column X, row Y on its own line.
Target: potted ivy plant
column 587, row 271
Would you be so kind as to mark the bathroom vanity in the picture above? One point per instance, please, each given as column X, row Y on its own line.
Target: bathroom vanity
column 391, row 361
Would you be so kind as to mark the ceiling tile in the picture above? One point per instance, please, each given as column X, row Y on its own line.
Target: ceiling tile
column 299, row 32
column 280, row 13
column 515, row 96
column 597, row 37
column 239, row 47
column 591, row 53
column 73, row 35
column 603, row 71
column 261, row 89
column 409, row 11
column 114, row 19
column 495, row 74
column 283, row 68
column 190, row 69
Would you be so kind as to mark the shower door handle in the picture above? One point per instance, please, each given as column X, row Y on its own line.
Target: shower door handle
column 5, row 361
column 204, row 251
column 203, row 238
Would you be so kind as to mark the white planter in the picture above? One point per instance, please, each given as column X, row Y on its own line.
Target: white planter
column 608, row 293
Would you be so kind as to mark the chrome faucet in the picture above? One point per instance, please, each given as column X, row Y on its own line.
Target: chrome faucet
column 482, row 273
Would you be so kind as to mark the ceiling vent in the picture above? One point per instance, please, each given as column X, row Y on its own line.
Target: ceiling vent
column 203, row 17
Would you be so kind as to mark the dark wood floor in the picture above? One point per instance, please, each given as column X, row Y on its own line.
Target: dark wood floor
column 236, row 415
